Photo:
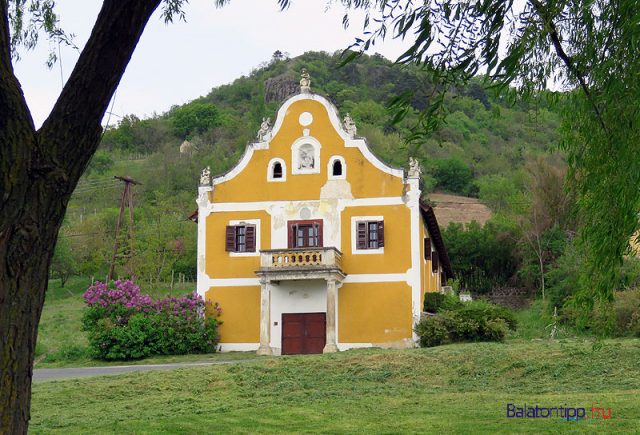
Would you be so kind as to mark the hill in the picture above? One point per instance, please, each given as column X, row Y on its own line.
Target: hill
column 484, row 138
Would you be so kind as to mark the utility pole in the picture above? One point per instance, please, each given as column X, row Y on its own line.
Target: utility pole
column 127, row 198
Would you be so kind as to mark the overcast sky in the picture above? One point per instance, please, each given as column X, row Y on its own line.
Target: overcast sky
column 175, row 63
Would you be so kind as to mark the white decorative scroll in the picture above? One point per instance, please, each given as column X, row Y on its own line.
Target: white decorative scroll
column 350, row 125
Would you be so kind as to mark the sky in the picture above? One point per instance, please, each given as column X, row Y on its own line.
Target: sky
column 177, row 62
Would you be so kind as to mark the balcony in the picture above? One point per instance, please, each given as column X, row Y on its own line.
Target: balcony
column 301, row 263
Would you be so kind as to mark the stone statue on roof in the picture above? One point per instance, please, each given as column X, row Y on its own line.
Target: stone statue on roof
column 205, row 177
column 265, row 129
column 305, row 81
column 349, row 125
column 414, row 168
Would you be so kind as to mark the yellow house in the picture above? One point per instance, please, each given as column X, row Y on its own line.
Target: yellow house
column 312, row 244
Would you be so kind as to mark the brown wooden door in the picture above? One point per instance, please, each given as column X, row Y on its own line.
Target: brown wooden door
column 303, row 333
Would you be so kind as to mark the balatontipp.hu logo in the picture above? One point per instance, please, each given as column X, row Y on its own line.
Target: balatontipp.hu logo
column 563, row 412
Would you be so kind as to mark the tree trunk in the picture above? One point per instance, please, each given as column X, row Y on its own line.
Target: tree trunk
column 38, row 172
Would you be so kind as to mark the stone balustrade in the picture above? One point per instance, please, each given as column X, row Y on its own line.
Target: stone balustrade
column 303, row 258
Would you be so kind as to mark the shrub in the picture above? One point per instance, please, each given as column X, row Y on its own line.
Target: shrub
column 433, row 301
column 432, row 331
column 436, row 302
column 124, row 324
column 627, row 312
column 482, row 311
column 474, row 321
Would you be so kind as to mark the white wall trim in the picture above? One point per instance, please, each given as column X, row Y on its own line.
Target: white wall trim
column 255, row 222
column 267, row 205
column 343, row 176
column 354, row 236
column 375, row 277
column 238, row 347
column 270, row 166
column 229, row 282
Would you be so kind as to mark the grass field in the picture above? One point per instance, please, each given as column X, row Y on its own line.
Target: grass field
column 461, row 388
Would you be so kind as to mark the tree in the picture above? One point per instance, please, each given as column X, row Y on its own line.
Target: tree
column 39, row 169
column 587, row 48
column 63, row 263
column 194, row 118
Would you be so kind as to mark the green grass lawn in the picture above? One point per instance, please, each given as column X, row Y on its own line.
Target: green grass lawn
column 462, row 388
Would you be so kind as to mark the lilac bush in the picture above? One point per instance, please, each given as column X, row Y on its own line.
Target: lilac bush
column 124, row 323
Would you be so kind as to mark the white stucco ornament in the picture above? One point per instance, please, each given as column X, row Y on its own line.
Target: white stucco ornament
column 265, row 129
column 305, row 119
column 349, row 125
column 205, row 177
column 414, row 168
column 305, row 81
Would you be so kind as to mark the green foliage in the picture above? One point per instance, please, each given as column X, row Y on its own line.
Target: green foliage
column 63, row 264
column 473, row 321
column 587, row 48
column 111, row 337
column 482, row 257
column 194, row 118
column 436, row 302
column 432, row 331
column 433, row 301
column 100, row 163
column 627, row 312
column 453, row 175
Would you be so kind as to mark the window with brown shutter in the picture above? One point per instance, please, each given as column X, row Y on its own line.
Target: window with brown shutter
column 434, row 262
column 250, row 238
column 427, row 249
column 240, row 238
column 230, row 239
column 370, row 234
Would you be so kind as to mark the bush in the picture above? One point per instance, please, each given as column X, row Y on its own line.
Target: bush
column 474, row 321
column 123, row 324
column 627, row 312
column 432, row 331
column 433, row 301
column 436, row 302
column 482, row 312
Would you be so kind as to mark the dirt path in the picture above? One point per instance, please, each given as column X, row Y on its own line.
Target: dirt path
column 82, row 372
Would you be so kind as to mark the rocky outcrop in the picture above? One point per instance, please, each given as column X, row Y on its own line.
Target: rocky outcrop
column 280, row 88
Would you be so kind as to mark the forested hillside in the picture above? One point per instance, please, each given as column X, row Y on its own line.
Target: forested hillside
column 486, row 142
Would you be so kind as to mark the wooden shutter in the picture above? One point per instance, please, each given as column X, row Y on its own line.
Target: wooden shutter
column 434, row 262
column 427, row 249
column 231, row 239
column 320, row 241
column 293, row 236
column 380, row 234
column 250, row 238
column 361, row 235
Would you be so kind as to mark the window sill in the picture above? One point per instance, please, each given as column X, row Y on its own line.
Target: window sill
column 244, row 254
column 368, row 251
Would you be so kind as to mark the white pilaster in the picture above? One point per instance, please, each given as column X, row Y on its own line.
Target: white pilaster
column 331, row 345
column 265, row 318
